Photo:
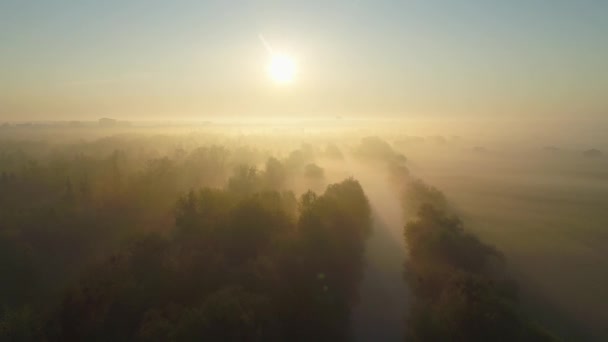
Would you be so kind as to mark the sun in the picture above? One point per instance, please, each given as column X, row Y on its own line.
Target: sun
column 282, row 69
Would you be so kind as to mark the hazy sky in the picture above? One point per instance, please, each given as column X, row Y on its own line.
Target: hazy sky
column 84, row 59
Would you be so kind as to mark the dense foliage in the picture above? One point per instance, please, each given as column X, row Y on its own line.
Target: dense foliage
column 236, row 267
column 121, row 239
column 111, row 246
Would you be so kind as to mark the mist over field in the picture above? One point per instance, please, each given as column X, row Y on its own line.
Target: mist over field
column 306, row 171
column 305, row 230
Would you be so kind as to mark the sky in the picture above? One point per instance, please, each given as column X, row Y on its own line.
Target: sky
column 149, row 59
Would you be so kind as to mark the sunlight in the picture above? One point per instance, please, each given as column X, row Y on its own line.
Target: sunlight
column 282, row 69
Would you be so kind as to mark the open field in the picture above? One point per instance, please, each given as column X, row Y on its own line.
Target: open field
column 548, row 212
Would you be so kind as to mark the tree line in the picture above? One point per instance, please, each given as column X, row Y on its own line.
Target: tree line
column 462, row 290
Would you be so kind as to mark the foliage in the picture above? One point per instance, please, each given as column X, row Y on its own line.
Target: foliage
column 313, row 171
column 153, row 239
column 416, row 194
column 237, row 266
column 462, row 291
column 374, row 148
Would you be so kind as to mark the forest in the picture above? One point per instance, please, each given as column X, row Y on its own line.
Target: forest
column 148, row 236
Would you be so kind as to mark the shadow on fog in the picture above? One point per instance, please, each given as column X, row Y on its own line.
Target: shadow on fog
column 380, row 313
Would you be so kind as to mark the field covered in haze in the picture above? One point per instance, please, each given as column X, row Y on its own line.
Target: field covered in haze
column 327, row 230
column 546, row 209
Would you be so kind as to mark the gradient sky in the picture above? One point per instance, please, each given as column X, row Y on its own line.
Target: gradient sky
column 148, row 59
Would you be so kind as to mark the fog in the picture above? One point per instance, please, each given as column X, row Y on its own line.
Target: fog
column 303, row 171
column 251, row 200
column 544, row 208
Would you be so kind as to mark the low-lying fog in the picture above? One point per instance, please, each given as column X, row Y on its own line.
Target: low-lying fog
column 537, row 191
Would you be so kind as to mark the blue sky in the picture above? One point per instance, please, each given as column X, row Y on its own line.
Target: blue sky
column 188, row 59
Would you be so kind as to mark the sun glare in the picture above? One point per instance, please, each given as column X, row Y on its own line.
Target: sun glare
column 282, row 69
